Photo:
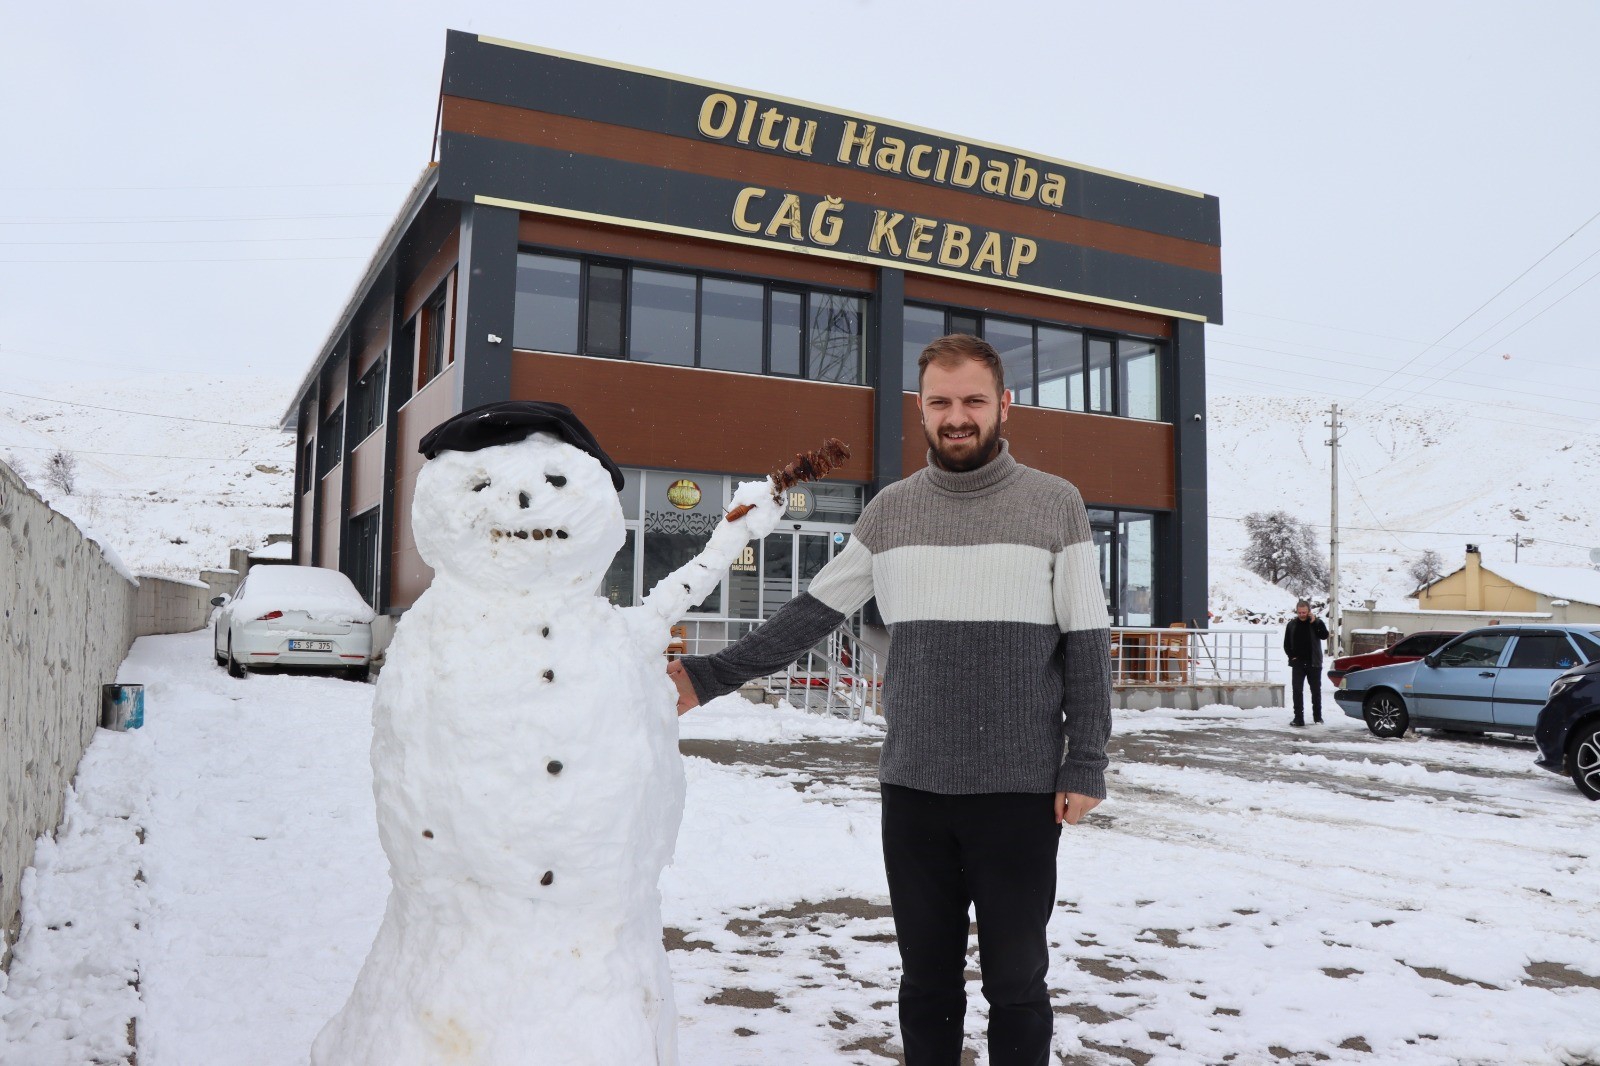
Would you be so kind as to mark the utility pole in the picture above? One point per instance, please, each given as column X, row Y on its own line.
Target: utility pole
column 1516, row 555
column 1335, row 426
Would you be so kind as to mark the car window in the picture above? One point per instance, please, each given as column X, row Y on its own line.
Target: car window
column 1475, row 649
column 1430, row 641
column 1543, row 651
column 1588, row 645
column 1412, row 646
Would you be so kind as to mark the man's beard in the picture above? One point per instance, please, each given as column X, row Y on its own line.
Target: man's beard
column 986, row 448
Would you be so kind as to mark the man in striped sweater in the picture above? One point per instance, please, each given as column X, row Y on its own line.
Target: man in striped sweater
column 997, row 694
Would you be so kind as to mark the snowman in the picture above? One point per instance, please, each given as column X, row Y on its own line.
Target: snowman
column 525, row 765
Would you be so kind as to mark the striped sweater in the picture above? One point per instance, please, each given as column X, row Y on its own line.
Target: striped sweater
column 999, row 670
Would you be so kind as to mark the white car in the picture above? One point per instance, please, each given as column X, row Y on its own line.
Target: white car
column 307, row 617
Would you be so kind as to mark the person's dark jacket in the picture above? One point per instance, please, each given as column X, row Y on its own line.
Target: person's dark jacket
column 1302, row 641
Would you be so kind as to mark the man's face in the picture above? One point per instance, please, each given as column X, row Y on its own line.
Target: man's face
column 1303, row 612
column 961, row 414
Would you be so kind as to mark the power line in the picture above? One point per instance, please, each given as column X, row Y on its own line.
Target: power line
column 125, row 411
column 163, row 188
column 125, row 221
column 255, row 259
column 1487, row 302
column 197, row 240
column 149, row 455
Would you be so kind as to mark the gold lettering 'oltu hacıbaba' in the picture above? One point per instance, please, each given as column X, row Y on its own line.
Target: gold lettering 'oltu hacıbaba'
column 820, row 221
column 861, row 144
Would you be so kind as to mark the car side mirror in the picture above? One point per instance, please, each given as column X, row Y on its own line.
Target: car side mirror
column 218, row 601
column 1431, row 660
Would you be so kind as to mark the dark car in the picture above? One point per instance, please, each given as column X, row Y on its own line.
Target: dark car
column 1568, row 728
column 1405, row 650
column 1491, row 680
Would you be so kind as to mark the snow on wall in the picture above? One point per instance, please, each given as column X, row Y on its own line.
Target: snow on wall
column 69, row 621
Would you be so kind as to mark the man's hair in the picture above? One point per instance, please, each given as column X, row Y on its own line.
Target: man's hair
column 1302, row 603
column 953, row 348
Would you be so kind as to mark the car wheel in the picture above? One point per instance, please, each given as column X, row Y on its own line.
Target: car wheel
column 358, row 673
column 1385, row 714
column 1583, row 759
column 235, row 668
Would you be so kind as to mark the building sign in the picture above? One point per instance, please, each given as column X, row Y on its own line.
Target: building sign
column 677, row 504
column 683, row 494
column 802, row 502
column 832, row 184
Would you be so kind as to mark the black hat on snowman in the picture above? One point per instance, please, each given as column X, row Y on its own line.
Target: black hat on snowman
column 509, row 421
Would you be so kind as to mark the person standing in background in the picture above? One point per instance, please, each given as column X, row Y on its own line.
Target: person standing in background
column 1302, row 643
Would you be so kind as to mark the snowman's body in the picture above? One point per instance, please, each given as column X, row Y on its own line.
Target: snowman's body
column 528, row 782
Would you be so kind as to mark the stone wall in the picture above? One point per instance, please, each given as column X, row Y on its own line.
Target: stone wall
column 170, row 606
column 69, row 621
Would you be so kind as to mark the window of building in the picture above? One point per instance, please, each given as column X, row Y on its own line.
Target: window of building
column 1125, row 544
column 434, row 330
column 686, row 318
column 785, row 332
column 366, row 405
column 1051, row 366
column 547, row 303
column 661, row 321
column 330, row 439
column 308, row 465
column 922, row 326
column 404, row 352
column 617, row 586
column 730, row 325
column 363, row 557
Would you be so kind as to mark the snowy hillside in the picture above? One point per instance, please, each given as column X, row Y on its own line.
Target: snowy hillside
column 172, row 494
column 1471, row 474
column 171, row 471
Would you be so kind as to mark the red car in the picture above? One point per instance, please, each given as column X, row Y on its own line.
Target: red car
column 1407, row 649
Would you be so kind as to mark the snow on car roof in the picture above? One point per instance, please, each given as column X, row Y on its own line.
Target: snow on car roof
column 326, row 595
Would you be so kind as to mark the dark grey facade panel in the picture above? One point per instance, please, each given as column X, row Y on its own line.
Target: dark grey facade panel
column 515, row 77
column 486, row 293
column 1188, row 541
column 887, row 337
column 472, row 166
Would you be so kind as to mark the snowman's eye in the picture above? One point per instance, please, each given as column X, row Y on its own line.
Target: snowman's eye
column 555, row 479
column 480, row 486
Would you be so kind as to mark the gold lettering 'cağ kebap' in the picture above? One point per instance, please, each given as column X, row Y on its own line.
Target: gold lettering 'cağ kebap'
column 859, row 143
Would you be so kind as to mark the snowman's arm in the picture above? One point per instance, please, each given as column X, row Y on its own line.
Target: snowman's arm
column 692, row 582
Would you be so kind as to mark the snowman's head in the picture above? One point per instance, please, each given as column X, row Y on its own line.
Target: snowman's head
column 535, row 513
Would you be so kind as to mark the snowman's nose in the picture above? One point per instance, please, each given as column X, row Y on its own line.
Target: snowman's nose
column 522, row 498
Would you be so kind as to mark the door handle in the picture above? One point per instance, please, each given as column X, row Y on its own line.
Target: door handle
column 1485, row 673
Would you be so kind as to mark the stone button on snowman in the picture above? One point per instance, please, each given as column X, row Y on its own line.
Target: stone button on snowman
column 525, row 765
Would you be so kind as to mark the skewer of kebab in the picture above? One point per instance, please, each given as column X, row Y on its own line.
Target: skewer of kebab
column 807, row 466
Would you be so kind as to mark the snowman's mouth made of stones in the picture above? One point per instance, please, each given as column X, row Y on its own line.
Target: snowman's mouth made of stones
column 497, row 534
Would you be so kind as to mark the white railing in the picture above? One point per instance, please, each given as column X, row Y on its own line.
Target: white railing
column 1190, row 656
column 841, row 676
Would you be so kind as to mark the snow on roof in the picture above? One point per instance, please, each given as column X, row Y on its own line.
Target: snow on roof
column 327, row 595
column 281, row 550
column 1580, row 584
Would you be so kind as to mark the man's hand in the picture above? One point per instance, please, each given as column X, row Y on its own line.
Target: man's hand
column 1072, row 806
column 687, row 700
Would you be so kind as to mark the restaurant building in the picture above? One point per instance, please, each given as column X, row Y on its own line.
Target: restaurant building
column 715, row 279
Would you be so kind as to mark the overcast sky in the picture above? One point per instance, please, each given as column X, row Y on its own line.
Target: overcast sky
column 195, row 187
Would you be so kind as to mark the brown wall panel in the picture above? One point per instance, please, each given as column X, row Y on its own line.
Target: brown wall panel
column 333, row 391
column 790, row 173
column 679, row 418
column 921, row 288
column 303, row 531
column 1114, row 462
column 620, row 241
column 428, row 278
column 366, row 474
column 328, row 550
column 409, row 575
column 372, row 350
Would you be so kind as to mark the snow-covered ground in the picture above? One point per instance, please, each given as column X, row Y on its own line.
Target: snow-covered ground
column 1248, row 894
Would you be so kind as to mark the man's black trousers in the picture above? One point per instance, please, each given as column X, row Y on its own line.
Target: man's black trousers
column 997, row 852
column 1310, row 676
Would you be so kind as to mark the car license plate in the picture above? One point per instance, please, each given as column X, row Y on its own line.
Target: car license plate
column 311, row 645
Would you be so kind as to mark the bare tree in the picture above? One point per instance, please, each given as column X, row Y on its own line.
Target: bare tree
column 61, row 470
column 1426, row 568
column 1284, row 551
column 18, row 467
